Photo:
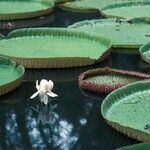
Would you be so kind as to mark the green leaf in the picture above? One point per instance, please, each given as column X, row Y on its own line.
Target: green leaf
column 53, row 48
column 141, row 146
column 127, row 110
column 127, row 10
column 10, row 75
column 145, row 52
column 92, row 5
column 20, row 9
column 124, row 34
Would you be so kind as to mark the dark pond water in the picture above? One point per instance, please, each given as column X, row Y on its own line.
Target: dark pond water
column 73, row 120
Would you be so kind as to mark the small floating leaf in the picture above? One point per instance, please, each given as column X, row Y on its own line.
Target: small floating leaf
column 105, row 80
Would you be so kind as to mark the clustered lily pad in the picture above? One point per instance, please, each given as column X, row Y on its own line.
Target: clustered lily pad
column 127, row 108
column 105, row 80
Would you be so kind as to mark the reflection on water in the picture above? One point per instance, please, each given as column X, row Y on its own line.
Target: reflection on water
column 34, row 134
column 56, row 130
column 64, row 124
column 94, row 95
column 45, row 113
column 11, row 129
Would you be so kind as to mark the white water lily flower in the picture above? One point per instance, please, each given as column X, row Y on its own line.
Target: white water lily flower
column 44, row 90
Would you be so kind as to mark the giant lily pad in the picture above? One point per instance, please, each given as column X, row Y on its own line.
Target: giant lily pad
column 127, row 10
column 145, row 52
column 127, row 110
column 141, row 146
column 53, row 48
column 91, row 5
column 20, row 9
column 105, row 80
column 10, row 75
column 124, row 34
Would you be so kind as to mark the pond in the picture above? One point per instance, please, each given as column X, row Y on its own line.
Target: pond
column 72, row 121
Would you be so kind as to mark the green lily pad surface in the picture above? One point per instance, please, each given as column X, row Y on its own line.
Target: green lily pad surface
column 145, row 52
column 91, row 5
column 110, row 79
column 53, row 48
column 105, row 80
column 142, row 146
column 20, row 9
column 81, row 5
column 10, row 75
column 124, row 34
column 128, row 10
column 127, row 110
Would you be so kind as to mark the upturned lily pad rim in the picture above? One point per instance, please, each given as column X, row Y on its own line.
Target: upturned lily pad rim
column 57, row 62
column 78, row 8
column 111, row 98
column 144, row 48
column 141, row 146
column 85, row 23
column 24, row 15
column 8, row 87
column 74, row 8
column 27, row 32
column 88, row 23
column 106, row 88
column 119, row 5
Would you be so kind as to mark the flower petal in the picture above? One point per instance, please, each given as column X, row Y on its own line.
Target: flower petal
column 51, row 94
column 34, row 95
column 51, row 83
column 45, row 100
column 37, row 85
